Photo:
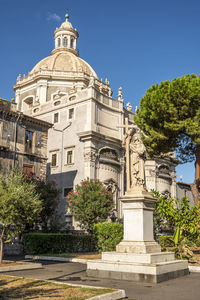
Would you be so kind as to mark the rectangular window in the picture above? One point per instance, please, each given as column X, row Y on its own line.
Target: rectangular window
column 54, row 160
column 69, row 157
column 71, row 113
column 28, row 171
column 28, row 141
column 56, row 118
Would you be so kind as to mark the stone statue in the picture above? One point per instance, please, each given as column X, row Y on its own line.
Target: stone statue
column 137, row 156
column 92, row 80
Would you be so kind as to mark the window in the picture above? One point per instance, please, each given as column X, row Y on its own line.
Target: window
column 71, row 113
column 58, row 42
column 72, row 98
column 28, row 171
column 65, row 41
column 29, row 101
column 72, row 43
column 69, row 157
column 55, row 119
column 54, row 160
column 28, row 141
column 57, row 103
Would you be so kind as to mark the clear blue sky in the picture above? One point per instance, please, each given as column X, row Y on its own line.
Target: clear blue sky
column 134, row 43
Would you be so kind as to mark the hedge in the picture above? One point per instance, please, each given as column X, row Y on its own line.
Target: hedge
column 108, row 235
column 38, row 243
column 166, row 241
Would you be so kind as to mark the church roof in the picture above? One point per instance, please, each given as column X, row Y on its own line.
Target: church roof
column 64, row 61
column 65, row 57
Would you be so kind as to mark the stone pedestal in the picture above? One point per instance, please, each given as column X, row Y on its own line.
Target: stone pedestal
column 138, row 224
column 138, row 257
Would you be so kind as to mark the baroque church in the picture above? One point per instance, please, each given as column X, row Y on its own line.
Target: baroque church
column 86, row 140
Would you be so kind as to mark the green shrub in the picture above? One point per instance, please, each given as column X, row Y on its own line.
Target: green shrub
column 108, row 235
column 38, row 243
column 197, row 242
column 166, row 241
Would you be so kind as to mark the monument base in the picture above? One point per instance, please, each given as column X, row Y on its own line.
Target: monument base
column 138, row 247
column 149, row 267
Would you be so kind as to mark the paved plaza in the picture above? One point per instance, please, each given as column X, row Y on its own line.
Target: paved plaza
column 183, row 288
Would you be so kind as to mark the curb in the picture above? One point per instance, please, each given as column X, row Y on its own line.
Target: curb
column 194, row 268
column 116, row 295
column 53, row 258
column 26, row 266
column 119, row 294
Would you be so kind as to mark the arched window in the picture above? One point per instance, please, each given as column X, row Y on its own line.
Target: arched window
column 72, row 43
column 65, row 41
column 58, row 42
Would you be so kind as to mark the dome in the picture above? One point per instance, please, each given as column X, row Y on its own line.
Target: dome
column 66, row 25
column 64, row 61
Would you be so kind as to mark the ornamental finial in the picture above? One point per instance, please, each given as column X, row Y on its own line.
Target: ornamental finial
column 67, row 15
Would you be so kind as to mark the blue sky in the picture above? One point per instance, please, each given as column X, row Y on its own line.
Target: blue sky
column 132, row 43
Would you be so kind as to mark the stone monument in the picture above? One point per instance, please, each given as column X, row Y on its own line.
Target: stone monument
column 138, row 256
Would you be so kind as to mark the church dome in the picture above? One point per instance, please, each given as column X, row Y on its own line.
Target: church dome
column 65, row 56
column 64, row 61
column 66, row 25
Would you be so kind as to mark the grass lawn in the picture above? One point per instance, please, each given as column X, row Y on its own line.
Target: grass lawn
column 19, row 288
column 74, row 255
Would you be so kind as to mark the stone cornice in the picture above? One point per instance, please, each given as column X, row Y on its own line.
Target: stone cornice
column 74, row 51
column 48, row 74
column 5, row 148
column 24, row 118
column 93, row 135
column 65, row 30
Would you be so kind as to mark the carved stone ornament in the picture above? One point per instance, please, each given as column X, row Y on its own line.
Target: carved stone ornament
column 57, row 95
column 90, row 156
column 92, row 80
column 111, row 186
column 109, row 154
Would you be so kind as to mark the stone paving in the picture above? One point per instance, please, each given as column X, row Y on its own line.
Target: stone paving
column 183, row 288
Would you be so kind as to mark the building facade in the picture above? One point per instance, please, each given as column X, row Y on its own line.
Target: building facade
column 86, row 140
column 23, row 141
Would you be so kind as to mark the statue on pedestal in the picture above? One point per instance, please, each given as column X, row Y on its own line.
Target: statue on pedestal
column 137, row 156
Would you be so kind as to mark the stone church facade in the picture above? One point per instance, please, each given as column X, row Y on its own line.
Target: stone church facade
column 87, row 136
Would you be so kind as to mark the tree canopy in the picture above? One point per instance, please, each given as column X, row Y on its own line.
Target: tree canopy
column 173, row 214
column 90, row 203
column 169, row 117
column 19, row 205
column 49, row 196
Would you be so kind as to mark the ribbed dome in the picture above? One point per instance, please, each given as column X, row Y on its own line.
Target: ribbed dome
column 64, row 61
column 66, row 25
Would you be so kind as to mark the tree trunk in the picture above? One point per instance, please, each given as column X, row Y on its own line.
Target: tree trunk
column 195, row 186
column 197, row 164
column 1, row 248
